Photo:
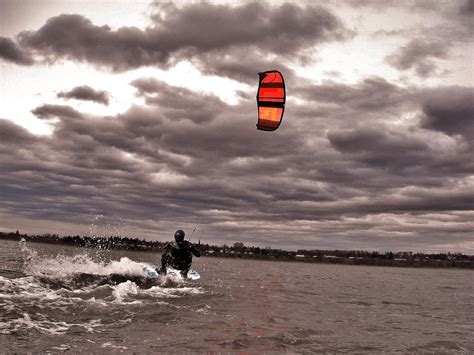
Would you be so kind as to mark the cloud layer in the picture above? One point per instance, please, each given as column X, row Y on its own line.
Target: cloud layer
column 188, row 32
column 188, row 158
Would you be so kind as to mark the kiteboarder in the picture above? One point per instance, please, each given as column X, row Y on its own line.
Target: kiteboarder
column 178, row 254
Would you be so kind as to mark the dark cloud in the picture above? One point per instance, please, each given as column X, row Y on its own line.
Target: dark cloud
column 77, row 38
column 419, row 54
column 373, row 140
column 240, row 65
column 467, row 8
column 12, row 52
column 366, row 136
column 201, row 32
column 450, row 111
column 179, row 103
column 372, row 94
column 282, row 29
column 401, row 152
column 12, row 133
column 56, row 111
column 86, row 93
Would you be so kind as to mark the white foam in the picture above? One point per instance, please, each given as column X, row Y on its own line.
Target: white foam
column 62, row 347
column 204, row 309
column 62, row 266
column 123, row 290
column 165, row 292
column 26, row 288
column 96, row 301
column 43, row 325
column 8, row 308
column 5, row 283
column 110, row 345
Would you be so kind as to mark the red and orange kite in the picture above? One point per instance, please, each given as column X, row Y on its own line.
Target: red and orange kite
column 271, row 98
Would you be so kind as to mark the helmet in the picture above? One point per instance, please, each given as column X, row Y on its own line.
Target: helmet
column 179, row 236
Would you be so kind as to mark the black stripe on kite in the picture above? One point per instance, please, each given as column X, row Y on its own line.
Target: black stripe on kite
column 271, row 85
column 271, row 104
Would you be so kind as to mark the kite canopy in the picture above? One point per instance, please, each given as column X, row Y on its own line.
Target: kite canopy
column 270, row 100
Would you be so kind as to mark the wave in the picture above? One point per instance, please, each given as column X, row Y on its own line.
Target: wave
column 54, row 290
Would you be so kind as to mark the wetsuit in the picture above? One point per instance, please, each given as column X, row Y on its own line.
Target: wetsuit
column 179, row 256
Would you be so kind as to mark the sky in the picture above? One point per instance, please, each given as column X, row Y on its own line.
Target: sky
column 138, row 118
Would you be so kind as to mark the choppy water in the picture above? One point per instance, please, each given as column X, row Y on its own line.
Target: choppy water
column 55, row 299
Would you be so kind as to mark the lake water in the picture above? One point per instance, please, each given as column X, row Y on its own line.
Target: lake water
column 57, row 299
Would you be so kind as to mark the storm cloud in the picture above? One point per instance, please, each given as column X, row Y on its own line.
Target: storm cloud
column 451, row 112
column 188, row 32
column 56, row 111
column 86, row 93
column 419, row 55
column 12, row 52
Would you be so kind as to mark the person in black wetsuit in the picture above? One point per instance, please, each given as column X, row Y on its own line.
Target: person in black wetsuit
column 178, row 254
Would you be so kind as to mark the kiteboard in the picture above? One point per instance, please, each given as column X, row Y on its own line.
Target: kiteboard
column 151, row 272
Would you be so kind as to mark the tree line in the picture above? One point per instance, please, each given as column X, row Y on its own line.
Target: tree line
column 239, row 250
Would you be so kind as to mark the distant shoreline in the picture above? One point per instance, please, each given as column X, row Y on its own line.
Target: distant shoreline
column 239, row 250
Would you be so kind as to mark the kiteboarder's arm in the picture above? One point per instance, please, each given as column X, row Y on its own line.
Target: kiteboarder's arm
column 195, row 251
column 166, row 248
